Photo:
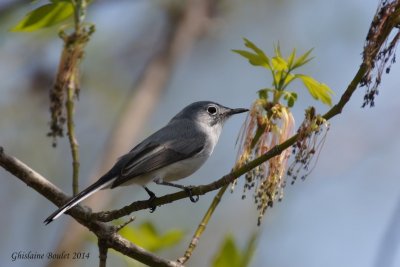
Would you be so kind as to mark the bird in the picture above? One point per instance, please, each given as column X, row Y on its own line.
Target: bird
column 172, row 153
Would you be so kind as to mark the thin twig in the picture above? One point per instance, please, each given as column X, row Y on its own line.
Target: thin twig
column 102, row 244
column 122, row 225
column 72, row 137
column 79, row 14
column 202, row 226
column 75, row 50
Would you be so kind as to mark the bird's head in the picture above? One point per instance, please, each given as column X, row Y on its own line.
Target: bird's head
column 208, row 112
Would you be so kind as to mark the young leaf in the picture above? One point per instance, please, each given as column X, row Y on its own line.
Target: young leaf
column 248, row 251
column 303, row 59
column 288, row 79
column 290, row 97
column 277, row 50
column 276, row 77
column 317, row 90
column 147, row 236
column 170, row 238
column 291, row 58
column 279, row 63
column 228, row 255
column 258, row 51
column 263, row 94
column 254, row 59
column 45, row 16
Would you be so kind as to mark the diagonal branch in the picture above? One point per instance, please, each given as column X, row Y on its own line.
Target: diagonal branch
column 393, row 21
column 106, row 233
column 228, row 178
column 202, row 226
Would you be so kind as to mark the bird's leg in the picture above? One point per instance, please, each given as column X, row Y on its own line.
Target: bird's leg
column 152, row 197
column 188, row 189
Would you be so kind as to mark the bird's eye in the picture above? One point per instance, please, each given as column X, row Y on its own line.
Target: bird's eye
column 212, row 110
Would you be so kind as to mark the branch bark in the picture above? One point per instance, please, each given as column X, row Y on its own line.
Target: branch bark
column 202, row 226
column 74, row 146
column 102, row 244
column 106, row 233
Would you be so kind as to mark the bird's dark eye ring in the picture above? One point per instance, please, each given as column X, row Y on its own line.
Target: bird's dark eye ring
column 212, row 110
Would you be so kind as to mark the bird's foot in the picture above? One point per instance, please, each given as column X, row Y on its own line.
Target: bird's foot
column 152, row 205
column 188, row 190
column 152, row 197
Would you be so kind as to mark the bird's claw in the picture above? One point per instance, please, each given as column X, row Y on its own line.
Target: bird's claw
column 152, row 208
column 193, row 198
column 151, row 200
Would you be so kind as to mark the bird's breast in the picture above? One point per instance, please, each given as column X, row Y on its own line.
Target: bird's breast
column 181, row 169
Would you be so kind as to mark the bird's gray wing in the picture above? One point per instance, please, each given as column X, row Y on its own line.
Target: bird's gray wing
column 156, row 155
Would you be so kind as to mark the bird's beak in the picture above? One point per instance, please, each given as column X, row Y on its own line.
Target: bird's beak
column 236, row 111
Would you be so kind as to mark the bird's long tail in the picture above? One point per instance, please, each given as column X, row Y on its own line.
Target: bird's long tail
column 100, row 184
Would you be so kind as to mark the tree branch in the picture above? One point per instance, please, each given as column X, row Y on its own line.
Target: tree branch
column 202, row 226
column 32, row 179
column 72, row 139
column 106, row 216
column 102, row 244
column 73, row 90
column 106, row 233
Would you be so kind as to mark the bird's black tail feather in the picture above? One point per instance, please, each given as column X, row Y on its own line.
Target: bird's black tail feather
column 101, row 183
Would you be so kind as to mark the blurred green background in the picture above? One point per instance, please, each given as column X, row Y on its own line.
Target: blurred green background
column 345, row 214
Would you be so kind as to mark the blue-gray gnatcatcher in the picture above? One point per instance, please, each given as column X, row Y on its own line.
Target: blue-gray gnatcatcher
column 172, row 153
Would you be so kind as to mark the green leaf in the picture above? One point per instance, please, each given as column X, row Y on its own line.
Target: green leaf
column 171, row 238
column 291, row 58
column 45, row 16
column 279, row 63
column 147, row 237
column 228, row 255
column 317, row 90
column 254, row 59
column 288, row 79
column 258, row 51
column 277, row 50
column 290, row 97
column 276, row 76
column 303, row 59
column 249, row 250
column 263, row 94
